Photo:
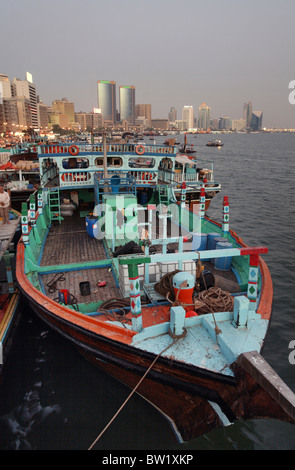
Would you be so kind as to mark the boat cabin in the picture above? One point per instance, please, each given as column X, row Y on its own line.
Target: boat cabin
column 80, row 165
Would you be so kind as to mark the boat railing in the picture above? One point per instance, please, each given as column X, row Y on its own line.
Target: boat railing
column 115, row 182
column 82, row 178
column 82, row 148
column 247, row 305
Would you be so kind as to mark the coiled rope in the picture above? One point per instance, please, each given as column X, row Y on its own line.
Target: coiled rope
column 210, row 300
column 215, row 300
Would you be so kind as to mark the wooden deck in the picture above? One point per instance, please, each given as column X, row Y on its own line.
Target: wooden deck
column 68, row 243
column 7, row 232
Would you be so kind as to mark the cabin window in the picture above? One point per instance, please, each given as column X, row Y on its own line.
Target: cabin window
column 166, row 164
column 112, row 162
column 141, row 162
column 75, row 163
column 99, row 161
column 115, row 161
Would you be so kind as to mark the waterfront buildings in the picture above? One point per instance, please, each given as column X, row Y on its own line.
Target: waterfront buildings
column 66, row 109
column 253, row 118
column 256, row 121
column 89, row 121
column 24, row 91
column 172, row 116
column 238, row 124
column 247, row 113
column 8, row 106
column 204, row 117
column 42, row 115
column 18, row 103
column 225, row 123
column 127, row 104
column 161, row 124
column 188, row 116
column 143, row 115
column 106, row 100
column 21, row 108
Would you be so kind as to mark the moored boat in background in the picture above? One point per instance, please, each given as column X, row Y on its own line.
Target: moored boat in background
column 214, row 143
column 10, row 302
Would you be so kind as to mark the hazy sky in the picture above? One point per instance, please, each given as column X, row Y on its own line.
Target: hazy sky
column 176, row 53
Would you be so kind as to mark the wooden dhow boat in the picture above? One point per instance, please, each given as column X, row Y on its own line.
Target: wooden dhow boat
column 159, row 296
column 10, row 302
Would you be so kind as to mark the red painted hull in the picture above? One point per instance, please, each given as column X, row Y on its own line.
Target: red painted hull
column 199, row 400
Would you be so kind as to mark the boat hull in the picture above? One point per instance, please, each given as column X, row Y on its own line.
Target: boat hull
column 200, row 400
column 8, row 327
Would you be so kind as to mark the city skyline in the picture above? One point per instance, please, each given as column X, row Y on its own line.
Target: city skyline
column 113, row 112
column 223, row 53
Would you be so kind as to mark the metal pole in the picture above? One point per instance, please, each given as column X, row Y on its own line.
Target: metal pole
column 105, row 160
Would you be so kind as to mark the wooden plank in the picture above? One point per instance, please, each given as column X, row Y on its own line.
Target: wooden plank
column 7, row 232
column 268, row 379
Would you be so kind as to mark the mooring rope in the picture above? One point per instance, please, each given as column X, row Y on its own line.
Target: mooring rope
column 135, row 388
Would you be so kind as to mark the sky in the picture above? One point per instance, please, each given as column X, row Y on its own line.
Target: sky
column 176, row 53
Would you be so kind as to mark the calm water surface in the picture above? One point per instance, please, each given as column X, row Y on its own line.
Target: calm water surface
column 51, row 398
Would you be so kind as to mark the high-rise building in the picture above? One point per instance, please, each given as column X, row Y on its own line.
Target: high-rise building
column 65, row 107
column 225, row 123
column 172, row 116
column 25, row 91
column 5, row 87
column 42, row 115
column 106, row 98
column 238, row 124
column 89, row 121
column 127, row 104
column 188, row 116
column 256, row 121
column 8, row 109
column 204, row 116
column 144, row 111
column 247, row 113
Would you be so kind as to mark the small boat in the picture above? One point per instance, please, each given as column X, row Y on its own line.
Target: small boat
column 171, row 142
column 164, row 299
column 10, row 301
column 186, row 148
column 214, row 143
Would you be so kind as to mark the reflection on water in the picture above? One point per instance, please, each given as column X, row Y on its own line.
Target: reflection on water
column 20, row 429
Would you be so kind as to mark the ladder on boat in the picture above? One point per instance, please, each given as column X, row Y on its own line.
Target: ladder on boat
column 163, row 197
column 54, row 204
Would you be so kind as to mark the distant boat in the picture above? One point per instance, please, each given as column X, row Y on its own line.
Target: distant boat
column 214, row 143
column 187, row 149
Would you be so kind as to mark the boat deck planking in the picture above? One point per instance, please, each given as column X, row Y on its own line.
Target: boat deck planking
column 71, row 281
column 69, row 242
column 7, row 232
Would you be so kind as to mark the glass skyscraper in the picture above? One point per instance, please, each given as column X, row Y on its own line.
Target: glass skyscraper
column 204, row 116
column 127, row 103
column 106, row 96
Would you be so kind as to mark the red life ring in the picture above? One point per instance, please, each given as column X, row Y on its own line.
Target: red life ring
column 73, row 150
column 68, row 177
column 139, row 149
